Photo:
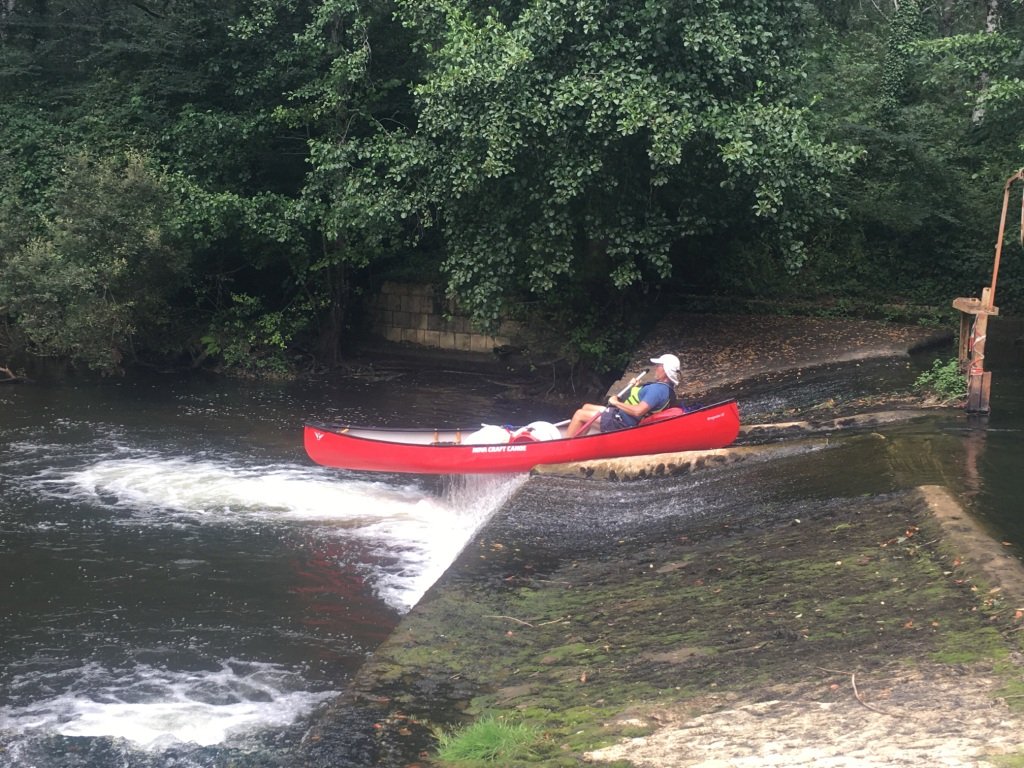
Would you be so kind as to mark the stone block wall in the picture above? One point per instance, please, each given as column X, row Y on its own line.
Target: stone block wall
column 415, row 314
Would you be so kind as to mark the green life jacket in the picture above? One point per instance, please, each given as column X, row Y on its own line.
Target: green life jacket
column 634, row 396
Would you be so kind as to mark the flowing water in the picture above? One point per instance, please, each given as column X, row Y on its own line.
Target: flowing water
column 177, row 579
column 180, row 586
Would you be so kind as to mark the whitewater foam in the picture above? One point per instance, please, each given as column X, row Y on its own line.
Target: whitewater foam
column 414, row 534
column 154, row 708
column 409, row 535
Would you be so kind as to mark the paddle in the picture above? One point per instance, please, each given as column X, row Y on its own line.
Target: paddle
column 632, row 383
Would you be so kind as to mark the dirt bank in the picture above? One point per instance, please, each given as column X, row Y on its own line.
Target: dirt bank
column 718, row 351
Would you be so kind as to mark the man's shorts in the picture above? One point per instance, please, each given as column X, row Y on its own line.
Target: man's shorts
column 612, row 420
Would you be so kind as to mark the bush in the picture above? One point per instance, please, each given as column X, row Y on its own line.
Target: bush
column 98, row 274
column 250, row 339
column 944, row 381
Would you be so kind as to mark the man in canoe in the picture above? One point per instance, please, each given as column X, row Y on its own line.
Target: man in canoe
column 648, row 398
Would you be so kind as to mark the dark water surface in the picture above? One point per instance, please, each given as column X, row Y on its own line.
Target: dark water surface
column 180, row 586
column 178, row 580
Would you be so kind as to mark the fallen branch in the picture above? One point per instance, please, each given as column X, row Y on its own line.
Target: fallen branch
column 11, row 375
column 526, row 623
column 511, row 618
column 853, row 682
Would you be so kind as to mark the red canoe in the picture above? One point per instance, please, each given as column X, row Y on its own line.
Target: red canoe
column 443, row 452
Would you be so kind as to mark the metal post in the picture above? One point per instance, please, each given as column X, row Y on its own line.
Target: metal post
column 979, row 381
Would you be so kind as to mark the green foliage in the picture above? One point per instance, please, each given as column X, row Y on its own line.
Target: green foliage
column 905, row 28
column 488, row 741
column 923, row 202
column 588, row 158
column 197, row 100
column 566, row 140
column 944, row 380
column 594, row 335
column 248, row 338
column 101, row 270
column 982, row 69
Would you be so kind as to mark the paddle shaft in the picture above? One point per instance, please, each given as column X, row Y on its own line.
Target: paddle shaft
column 632, row 383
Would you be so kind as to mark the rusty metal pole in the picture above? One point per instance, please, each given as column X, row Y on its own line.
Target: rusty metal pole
column 1002, row 232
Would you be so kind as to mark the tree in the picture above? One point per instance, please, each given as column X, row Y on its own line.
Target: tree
column 903, row 83
column 181, row 84
column 103, row 269
column 588, row 143
column 360, row 191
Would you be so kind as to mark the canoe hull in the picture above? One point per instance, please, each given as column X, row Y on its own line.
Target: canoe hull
column 427, row 452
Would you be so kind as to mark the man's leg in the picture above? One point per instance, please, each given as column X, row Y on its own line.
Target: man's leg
column 581, row 417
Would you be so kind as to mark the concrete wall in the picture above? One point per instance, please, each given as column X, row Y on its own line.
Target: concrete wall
column 414, row 313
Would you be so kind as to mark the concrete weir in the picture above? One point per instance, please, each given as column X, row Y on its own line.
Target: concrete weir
column 692, row 611
column 974, row 549
column 848, row 631
column 759, row 442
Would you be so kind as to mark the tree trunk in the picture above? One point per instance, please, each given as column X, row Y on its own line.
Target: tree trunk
column 947, row 16
column 333, row 326
column 991, row 26
column 903, row 30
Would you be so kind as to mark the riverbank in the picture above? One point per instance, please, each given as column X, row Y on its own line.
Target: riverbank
column 722, row 353
column 714, row 617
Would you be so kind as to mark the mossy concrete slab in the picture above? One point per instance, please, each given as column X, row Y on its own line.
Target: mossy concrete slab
column 617, row 635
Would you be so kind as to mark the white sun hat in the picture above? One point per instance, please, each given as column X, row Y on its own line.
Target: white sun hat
column 671, row 365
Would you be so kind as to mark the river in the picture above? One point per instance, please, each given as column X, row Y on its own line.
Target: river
column 182, row 587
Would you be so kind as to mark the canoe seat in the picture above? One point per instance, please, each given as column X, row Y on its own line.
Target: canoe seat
column 668, row 413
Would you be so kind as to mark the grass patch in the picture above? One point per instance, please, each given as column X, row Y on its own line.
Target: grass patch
column 1012, row 691
column 1006, row 761
column 972, row 646
column 488, row 741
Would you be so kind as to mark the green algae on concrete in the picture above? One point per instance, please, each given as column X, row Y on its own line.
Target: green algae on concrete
column 574, row 645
